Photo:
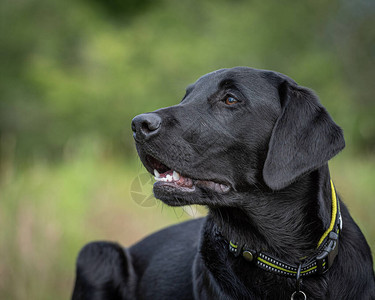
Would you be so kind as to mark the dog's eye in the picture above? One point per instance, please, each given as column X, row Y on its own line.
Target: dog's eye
column 230, row 100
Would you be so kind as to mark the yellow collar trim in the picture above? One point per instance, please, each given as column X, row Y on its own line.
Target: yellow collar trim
column 333, row 215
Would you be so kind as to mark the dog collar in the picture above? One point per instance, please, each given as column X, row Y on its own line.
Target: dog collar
column 319, row 263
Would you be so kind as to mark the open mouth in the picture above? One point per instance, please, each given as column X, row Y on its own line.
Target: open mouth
column 168, row 177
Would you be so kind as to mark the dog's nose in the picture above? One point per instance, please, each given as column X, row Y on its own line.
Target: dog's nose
column 145, row 126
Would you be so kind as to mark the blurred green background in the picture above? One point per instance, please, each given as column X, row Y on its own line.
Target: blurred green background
column 74, row 74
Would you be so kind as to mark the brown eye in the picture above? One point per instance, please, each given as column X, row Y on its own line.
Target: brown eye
column 230, row 100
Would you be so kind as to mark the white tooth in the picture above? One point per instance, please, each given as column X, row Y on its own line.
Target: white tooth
column 156, row 173
column 176, row 176
column 169, row 178
column 224, row 188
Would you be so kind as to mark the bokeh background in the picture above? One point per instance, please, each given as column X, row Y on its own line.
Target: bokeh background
column 74, row 74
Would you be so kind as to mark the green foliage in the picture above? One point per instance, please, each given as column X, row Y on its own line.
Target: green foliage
column 70, row 70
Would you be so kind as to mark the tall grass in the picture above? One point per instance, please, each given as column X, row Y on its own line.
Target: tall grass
column 49, row 211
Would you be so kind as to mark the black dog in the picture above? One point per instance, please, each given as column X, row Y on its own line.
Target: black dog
column 252, row 146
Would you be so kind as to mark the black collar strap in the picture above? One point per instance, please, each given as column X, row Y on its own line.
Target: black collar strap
column 319, row 263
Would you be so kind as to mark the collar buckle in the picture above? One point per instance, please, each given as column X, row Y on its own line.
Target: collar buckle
column 325, row 259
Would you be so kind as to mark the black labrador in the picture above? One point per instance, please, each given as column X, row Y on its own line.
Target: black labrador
column 252, row 146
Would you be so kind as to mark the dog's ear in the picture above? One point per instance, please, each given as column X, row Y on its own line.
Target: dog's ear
column 304, row 137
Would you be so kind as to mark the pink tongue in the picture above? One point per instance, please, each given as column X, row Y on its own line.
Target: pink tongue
column 163, row 175
column 186, row 182
column 183, row 181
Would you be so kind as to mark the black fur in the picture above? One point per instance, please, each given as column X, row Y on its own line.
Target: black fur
column 270, row 144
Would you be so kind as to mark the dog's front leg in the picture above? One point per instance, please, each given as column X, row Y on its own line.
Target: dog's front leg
column 104, row 271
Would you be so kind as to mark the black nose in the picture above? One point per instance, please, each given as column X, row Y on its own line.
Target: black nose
column 145, row 126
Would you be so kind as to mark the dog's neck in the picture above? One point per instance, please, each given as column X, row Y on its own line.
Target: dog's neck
column 286, row 223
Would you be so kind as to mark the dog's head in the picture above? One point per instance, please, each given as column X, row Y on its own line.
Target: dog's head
column 234, row 130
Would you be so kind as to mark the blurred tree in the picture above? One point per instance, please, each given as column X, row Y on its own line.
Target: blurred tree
column 353, row 33
column 123, row 9
column 68, row 72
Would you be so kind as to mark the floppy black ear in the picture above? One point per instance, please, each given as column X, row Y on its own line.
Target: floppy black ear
column 303, row 138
